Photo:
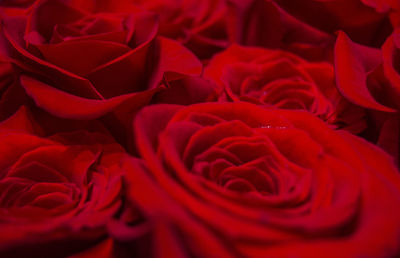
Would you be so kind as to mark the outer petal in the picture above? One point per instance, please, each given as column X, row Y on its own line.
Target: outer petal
column 65, row 105
column 353, row 62
column 175, row 60
column 21, row 121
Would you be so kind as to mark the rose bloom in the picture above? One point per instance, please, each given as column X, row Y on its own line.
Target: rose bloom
column 283, row 80
column 57, row 193
column 236, row 179
column 91, row 57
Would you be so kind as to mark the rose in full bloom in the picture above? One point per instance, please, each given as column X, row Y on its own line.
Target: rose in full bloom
column 91, row 57
column 199, row 25
column 57, row 193
column 281, row 79
column 236, row 179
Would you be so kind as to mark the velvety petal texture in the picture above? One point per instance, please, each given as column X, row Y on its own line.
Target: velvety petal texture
column 258, row 177
column 55, row 190
column 353, row 64
column 82, row 49
column 199, row 128
column 283, row 80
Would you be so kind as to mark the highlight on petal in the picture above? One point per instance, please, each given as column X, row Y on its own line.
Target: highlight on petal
column 65, row 105
column 353, row 62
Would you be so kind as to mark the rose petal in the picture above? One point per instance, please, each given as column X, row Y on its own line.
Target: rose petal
column 46, row 14
column 176, row 60
column 13, row 145
column 81, row 57
column 353, row 62
column 21, row 121
column 63, row 79
column 65, row 105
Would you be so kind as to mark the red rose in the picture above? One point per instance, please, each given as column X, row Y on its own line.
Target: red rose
column 200, row 25
column 366, row 21
column 235, row 179
column 280, row 79
column 95, row 56
column 57, row 193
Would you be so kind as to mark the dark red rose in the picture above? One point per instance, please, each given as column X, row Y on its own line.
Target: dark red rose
column 93, row 56
column 366, row 21
column 57, row 193
column 236, row 179
column 369, row 78
column 200, row 25
column 283, row 80
column 264, row 23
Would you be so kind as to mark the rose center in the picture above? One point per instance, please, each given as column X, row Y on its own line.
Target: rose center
column 36, row 186
column 240, row 164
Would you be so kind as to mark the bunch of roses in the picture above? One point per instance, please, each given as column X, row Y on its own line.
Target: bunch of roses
column 199, row 128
